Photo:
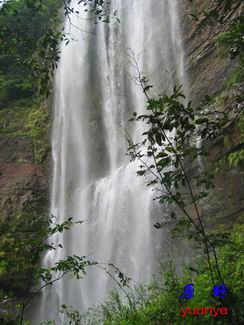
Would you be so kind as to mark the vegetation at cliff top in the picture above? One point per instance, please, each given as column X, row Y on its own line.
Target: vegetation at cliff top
column 23, row 33
column 28, row 47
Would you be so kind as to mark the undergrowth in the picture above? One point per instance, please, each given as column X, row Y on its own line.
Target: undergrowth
column 159, row 303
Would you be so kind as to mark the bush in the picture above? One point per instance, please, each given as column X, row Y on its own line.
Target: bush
column 159, row 303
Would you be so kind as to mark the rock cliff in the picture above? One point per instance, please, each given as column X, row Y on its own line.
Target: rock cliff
column 24, row 158
column 209, row 70
column 24, row 178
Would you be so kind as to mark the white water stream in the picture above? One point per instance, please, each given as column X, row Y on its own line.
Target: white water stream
column 93, row 180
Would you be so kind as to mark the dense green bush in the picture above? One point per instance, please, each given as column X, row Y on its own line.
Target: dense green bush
column 26, row 31
column 159, row 303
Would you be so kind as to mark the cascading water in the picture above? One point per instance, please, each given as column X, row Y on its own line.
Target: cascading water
column 93, row 179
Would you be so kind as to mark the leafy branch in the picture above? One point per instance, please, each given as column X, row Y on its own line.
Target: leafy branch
column 167, row 147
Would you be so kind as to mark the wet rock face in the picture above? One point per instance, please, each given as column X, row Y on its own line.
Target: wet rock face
column 24, row 192
column 22, row 182
column 207, row 68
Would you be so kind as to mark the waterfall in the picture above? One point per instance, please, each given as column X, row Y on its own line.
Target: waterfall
column 93, row 180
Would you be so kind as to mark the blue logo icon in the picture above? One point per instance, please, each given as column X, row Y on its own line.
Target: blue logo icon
column 219, row 291
column 188, row 292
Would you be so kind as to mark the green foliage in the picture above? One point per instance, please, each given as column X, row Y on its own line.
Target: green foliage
column 159, row 302
column 73, row 316
column 99, row 10
column 27, row 119
column 231, row 261
column 236, row 158
column 23, row 239
column 19, row 241
column 31, row 31
column 29, row 47
column 236, row 77
column 169, row 145
column 233, row 39
column 168, row 154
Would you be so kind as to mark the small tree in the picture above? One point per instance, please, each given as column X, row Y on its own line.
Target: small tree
column 168, row 153
column 23, row 242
